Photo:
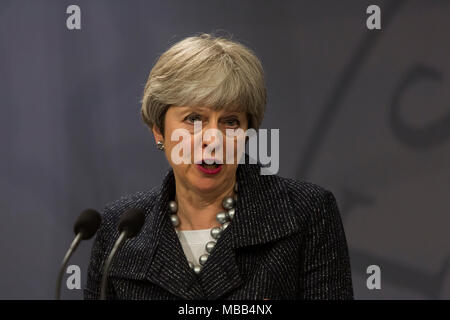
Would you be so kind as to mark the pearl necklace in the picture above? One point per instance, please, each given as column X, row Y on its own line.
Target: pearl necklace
column 223, row 217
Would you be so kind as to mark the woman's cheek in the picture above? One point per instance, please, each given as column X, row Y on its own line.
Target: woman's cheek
column 180, row 151
column 235, row 147
column 196, row 145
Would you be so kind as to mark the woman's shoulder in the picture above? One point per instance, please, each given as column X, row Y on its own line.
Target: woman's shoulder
column 307, row 197
column 143, row 199
column 304, row 189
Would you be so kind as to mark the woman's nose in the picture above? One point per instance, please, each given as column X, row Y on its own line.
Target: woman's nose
column 212, row 140
column 212, row 136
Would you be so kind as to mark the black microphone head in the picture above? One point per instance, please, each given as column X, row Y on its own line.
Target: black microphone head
column 132, row 222
column 87, row 223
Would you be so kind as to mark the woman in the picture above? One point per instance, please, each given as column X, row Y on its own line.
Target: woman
column 223, row 230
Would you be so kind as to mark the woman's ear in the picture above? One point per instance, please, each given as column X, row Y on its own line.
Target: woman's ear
column 157, row 134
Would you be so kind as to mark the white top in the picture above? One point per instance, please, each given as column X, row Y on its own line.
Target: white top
column 194, row 242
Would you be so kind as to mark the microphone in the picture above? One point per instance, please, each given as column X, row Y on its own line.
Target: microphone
column 85, row 227
column 130, row 224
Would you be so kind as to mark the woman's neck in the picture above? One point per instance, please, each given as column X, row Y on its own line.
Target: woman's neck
column 198, row 211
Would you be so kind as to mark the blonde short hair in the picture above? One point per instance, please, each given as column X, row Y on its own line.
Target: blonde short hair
column 205, row 70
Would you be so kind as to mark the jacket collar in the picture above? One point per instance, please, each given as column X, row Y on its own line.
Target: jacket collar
column 263, row 214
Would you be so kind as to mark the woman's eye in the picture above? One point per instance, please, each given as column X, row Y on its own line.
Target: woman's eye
column 193, row 117
column 232, row 122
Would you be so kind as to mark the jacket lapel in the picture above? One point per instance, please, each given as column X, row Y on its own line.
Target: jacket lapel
column 169, row 267
column 263, row 214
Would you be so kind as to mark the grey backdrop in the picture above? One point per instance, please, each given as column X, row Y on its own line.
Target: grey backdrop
column 365, row 114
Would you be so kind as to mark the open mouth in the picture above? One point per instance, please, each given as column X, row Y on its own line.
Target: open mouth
column 209, row 168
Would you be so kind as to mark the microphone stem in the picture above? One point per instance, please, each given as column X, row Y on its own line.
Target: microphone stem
column 120, row 240
column 69, row 253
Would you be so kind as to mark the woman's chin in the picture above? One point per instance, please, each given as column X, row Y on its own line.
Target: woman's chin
column 206, row 184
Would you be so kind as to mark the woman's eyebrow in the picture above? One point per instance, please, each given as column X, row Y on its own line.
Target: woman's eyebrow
column 186, row 110
column 230, row 113
column 190, row 109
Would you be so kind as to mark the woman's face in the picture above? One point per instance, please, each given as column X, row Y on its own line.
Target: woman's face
column 194, row 142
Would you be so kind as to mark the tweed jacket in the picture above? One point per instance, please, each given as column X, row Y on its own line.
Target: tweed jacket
column 286, row 241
